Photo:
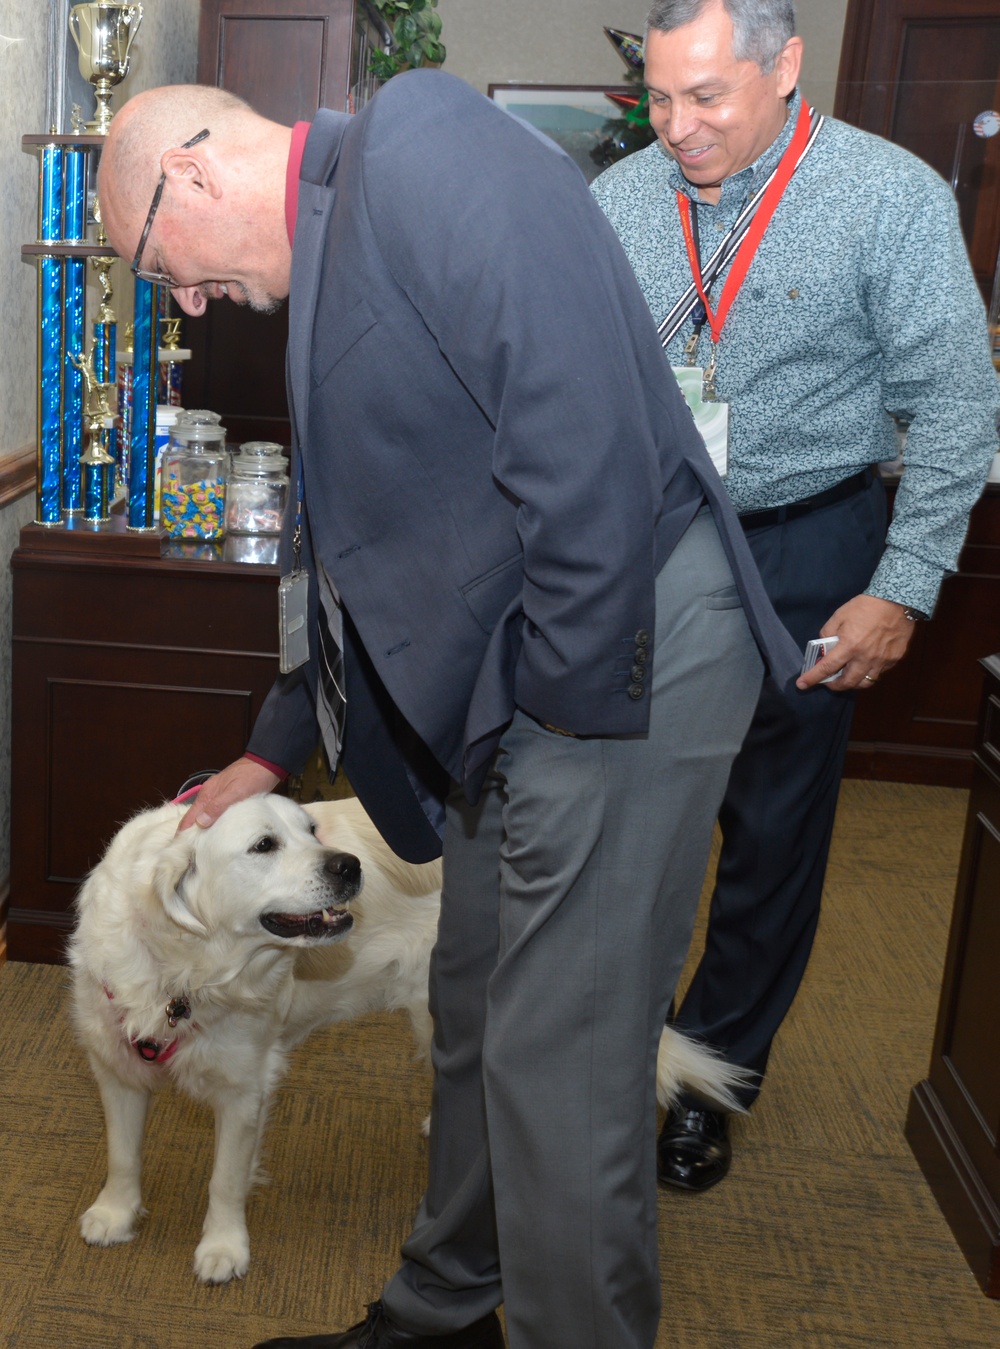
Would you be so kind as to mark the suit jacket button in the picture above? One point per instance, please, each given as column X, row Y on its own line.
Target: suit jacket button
column 642, row 637
column 635, row 691
column 641, row 655
column 638, row 673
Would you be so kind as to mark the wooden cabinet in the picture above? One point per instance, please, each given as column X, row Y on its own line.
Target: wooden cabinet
column 918, row 72
column 953, row 1123
column 919, row 723
column 286, row 61
column 131, row 671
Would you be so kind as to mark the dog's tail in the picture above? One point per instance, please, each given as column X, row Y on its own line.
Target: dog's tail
column 683, row 1065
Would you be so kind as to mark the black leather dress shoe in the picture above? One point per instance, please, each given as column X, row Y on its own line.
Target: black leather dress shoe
column 376, row 1331
column 693, row 1151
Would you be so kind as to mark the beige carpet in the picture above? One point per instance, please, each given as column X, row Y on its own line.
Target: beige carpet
column 824, row 1234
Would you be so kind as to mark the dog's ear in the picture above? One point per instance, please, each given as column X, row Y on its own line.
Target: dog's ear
column 173, row 876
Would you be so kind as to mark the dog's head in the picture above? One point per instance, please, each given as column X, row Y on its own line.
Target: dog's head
column 258, row 873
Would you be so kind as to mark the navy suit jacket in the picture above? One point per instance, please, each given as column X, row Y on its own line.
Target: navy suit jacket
column 496, row 459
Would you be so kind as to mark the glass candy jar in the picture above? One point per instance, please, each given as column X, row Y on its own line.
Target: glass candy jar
column 193, row 481
column 257, row 490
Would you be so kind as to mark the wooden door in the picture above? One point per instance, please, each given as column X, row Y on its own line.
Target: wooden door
column 286, row 61
column 919, row 72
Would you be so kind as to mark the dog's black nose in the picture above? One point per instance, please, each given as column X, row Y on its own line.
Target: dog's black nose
column 342, row 868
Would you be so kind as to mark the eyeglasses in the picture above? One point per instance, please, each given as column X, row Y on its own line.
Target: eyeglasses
column 158, row 278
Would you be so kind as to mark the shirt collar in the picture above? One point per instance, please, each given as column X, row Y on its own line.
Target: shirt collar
column 737, row 188
column 296, row 150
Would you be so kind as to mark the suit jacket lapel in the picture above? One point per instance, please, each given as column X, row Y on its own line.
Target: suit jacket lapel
column 315, row 203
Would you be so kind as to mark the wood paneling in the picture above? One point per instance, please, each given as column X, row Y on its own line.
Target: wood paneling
column 286, row 61
column 17, row 474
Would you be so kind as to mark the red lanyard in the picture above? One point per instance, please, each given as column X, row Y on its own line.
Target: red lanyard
column 751, row 241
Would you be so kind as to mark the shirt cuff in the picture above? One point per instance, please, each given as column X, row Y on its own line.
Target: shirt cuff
column 907, row 580
column 274, row 768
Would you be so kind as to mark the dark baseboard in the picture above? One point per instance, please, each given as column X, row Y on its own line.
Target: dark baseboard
column 38, row 936
column 924, row 766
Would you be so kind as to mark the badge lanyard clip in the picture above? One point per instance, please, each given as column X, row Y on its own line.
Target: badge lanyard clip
column 691, row 345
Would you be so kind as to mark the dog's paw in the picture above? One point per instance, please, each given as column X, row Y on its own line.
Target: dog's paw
column 222, row 1257
column 106, row 1225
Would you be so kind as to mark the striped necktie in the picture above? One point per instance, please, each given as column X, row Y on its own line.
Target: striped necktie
column 331, row 701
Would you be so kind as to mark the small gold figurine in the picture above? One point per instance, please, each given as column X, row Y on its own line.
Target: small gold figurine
column 100, row 409
column 102, row 266
column 171, row 333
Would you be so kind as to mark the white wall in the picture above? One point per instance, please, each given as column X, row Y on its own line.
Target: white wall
column 821, row 24
column 23, row 38
column 563, row 41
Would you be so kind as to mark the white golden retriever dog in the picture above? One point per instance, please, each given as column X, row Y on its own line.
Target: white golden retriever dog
column 203, row 958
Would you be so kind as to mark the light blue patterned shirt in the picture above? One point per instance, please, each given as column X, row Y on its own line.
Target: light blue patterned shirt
column 860, row 302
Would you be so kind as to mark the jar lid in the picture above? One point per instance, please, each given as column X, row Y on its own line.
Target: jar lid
column 198, row 426
column 267, row 462
column 199, row 416
column 261, row 447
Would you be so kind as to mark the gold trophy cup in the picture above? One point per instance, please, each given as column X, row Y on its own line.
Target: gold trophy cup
column 104, row 34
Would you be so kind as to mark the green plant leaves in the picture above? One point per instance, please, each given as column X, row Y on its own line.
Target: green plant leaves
column 417, row 33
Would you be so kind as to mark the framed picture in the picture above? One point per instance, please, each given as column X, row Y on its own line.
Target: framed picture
column 573, row 115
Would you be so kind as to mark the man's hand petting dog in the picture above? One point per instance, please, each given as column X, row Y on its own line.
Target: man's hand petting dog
column 240, row 780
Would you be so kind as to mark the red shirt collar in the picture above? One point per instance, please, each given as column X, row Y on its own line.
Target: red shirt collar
column 299, row 133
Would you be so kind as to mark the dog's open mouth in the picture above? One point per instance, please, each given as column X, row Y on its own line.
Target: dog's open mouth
column 321, row 925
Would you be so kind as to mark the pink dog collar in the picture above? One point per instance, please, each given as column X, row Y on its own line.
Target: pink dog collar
column 155, row 1051
column 152, row 1051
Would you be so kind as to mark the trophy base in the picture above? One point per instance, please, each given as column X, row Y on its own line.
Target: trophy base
column 77, row 534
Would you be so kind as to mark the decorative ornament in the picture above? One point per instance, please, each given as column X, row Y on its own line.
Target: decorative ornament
column 621, row 136
column 625, row 101
column 628, row 46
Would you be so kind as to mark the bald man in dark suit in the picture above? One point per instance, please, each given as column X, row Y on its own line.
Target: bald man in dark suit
column 553, row 641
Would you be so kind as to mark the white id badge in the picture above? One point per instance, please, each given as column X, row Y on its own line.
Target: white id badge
column 293, row 626
column 711, row 419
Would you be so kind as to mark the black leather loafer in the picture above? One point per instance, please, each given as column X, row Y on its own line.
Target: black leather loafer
column 693, row 1151
column 376, row 1331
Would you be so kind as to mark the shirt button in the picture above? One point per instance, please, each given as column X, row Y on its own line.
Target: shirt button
column 719, row 227
column 635, row 692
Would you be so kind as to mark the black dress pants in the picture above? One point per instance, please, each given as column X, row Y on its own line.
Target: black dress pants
column 777, row 816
